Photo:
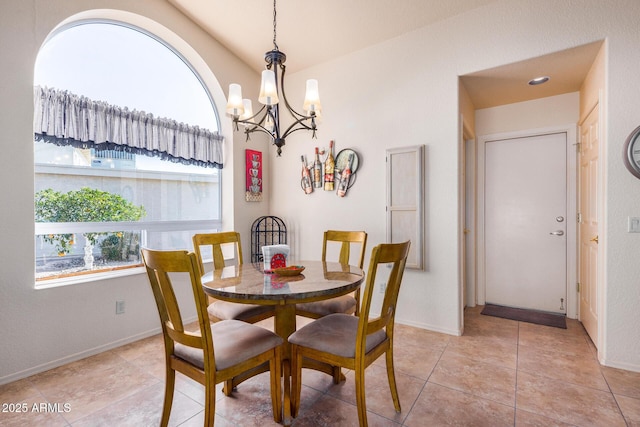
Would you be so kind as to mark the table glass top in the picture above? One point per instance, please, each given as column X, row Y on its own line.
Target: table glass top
column 249, row 282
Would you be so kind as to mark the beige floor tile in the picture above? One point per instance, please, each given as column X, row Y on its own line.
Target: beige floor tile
column 141, row 349
column 442, row 406
column 143, row 408
column 411, row 359
column 32, row 411
column 250, row 405
column 331, row 411
column 471, row 381
column 493, row 351
column 576, row 369
column 630, row 408
column 479, row 325
column 477, row 378
column 623, row 382
column 92, row 384
column 317, row 380
column 18, row 391
column 527, row 419
column 566, row 402
column 553, row 339
column 408, row 335
column 378, row 393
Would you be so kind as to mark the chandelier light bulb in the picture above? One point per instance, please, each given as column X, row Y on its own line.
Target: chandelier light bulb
column 235, row 107
column 268, row 88
column 312, row 97
column 248, row 111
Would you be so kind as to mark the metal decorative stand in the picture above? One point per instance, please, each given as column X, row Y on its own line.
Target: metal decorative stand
column 266, row 230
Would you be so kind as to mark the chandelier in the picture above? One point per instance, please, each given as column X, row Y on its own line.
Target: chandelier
column 272, row 94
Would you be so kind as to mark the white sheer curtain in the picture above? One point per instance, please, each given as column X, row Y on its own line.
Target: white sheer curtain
column 63, row 118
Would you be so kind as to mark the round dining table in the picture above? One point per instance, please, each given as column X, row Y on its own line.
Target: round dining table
column 251, row 284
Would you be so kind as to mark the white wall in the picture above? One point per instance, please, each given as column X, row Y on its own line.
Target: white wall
column 44, row 328
column 405, row 92
column 401, row 92
column 548, row 112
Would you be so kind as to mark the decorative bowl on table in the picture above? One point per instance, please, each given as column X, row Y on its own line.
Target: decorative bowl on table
column 292, row 270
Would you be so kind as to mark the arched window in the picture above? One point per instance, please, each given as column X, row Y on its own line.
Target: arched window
column 127, row 151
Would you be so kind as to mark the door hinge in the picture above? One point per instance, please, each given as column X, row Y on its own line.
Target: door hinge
column 578, row 287
column 579, row 218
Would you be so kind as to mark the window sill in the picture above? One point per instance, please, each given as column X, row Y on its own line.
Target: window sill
column 89, row 276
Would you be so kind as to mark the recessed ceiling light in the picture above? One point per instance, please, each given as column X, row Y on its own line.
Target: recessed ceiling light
column 539, row 80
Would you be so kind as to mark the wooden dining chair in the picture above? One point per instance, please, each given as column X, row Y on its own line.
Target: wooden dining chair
column 225, row 310
column 349, row 304
column 216, row 352
column 354, row 342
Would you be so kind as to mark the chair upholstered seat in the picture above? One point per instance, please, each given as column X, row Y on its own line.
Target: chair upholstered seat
column 234, row 341
column 233, row 310
column 341, row 304
column 335, row 334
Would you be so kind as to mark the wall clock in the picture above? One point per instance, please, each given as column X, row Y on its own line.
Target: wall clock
column 632, row 152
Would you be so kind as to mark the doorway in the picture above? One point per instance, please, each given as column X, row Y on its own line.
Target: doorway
column 526, row 212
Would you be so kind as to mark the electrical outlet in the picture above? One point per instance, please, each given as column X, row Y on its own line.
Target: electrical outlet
column 383, row 287
column 633, row 224
column 120, row 307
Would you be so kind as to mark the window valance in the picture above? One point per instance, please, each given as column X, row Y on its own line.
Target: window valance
column 63, row 118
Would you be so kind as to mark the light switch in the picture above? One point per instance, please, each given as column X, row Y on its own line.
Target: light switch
column 634, row 224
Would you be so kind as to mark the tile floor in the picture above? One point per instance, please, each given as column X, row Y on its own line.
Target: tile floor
column 500, row 373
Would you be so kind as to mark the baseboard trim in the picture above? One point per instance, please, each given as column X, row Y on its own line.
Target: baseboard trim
column 83, row 354
column 432, row 328
column 621, row 365
column 77, row 356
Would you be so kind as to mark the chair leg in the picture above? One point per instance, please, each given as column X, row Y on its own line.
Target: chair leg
column 275, row 366
column 337, row 374
column 296, row 380
column 169, row 386
column 209, row 402
column 227, row 388
column 391, row 375
column 360, row 398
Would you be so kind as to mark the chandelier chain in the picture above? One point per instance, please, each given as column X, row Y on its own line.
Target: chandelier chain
column 275, row 45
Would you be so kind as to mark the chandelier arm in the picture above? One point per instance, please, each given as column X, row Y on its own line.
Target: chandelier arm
column 293, row 112
column 302, row 125
column 258, row 128
column 248, row 119
column 290, row 131
column 253, row 126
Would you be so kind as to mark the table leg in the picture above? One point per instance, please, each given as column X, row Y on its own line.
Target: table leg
column 285, row 325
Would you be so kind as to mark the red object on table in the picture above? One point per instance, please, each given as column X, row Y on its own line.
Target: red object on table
column 277, row 261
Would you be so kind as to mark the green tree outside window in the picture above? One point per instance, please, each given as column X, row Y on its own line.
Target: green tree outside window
column 86, row 205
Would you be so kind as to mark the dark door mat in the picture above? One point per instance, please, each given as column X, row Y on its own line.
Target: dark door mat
column 529, row 316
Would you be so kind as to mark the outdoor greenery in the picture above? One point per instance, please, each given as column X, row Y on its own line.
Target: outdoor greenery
column 85, row 205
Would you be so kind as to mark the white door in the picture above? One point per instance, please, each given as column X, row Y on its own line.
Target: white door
column 589, row 149
column 525, row 222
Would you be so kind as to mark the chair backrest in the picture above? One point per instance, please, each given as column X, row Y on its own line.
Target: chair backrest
column 385, row 253
column 160, row 265
column 345, row 238
column 216, row 240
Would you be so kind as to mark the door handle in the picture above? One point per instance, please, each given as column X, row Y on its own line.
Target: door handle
column 594, row 239
column 557, row 233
